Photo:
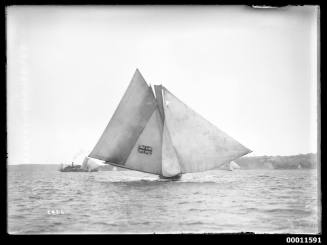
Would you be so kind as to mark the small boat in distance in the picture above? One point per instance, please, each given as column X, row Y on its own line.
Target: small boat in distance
column 152, row 131
column 74, row 168
column 231, row 166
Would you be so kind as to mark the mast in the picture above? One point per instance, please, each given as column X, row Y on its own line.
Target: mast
column 159, row 99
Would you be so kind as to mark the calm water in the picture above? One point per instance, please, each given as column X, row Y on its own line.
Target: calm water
column 260, row 201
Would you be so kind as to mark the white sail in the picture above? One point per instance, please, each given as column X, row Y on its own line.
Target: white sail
column 84, row 164
column 233, row 165
column 170, row 163
column 226, row 166
column 146, row 153
column 200, row 145
column 127, row 123
column 91, row 164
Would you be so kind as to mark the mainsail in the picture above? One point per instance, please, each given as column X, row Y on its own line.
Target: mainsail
column 200, row 145
column 157, row 133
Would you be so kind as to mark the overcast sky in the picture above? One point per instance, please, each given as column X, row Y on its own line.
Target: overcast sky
column 252, row 73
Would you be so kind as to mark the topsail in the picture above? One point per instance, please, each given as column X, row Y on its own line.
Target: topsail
column 157, row 133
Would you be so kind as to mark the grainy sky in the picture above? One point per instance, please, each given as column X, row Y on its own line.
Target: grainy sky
column 251, row 72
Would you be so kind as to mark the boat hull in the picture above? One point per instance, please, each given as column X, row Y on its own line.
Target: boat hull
column 172, row 178
column 76, row 169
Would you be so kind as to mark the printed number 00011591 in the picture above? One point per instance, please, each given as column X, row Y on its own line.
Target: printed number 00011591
column 303, row 240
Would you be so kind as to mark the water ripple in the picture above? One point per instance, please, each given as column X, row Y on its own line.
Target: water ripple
column 261, row 201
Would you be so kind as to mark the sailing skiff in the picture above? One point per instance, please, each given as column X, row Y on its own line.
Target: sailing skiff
column 152, row 131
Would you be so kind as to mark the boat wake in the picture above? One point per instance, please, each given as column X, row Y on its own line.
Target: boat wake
column 133, row 177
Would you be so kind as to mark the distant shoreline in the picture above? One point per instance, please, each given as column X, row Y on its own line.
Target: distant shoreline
column 305, row 161
column 300, row 161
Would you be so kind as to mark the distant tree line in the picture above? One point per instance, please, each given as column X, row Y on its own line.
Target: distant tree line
column 301, row 161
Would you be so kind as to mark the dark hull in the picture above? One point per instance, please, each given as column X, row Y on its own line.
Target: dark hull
column 76, row 169
column 173, row 178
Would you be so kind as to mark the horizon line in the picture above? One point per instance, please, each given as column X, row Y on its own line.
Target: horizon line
column 240, row 157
